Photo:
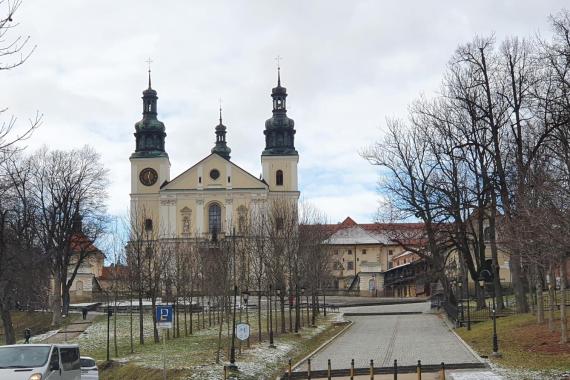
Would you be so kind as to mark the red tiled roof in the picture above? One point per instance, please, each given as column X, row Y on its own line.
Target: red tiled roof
column 109, row 273
column 82, row 244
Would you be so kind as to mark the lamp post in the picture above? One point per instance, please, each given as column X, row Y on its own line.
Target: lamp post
column 300, row 309
column 271, row 345
column 468, row 310
column 109, row 312
column 460, row 284
column 296, row 308
column 278, row 292
column 245, row 296
column 233, row 365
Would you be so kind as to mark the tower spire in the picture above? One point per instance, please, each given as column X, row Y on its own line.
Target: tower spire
column 278, row 59
column 149, row 61
column 221, row 146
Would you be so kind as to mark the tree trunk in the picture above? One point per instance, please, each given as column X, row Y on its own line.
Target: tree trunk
column 563, row 316
column 155, row 329
column 65, row 298
column 551, row 300
column 259, row 330
column 539, row 297
column 56, row 303
column 141, row 320
column 9, row 335
column 115, row 328
column 282, row 300
column 131, row 321
column 220, row 335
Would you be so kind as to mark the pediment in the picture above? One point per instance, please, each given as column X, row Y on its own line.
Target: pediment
column 214, row 172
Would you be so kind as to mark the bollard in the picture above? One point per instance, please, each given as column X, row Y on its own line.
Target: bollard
column 329, row 369
column 371, row 369
column 290, row 370
column 395, row 369
column 225, row 372
column 308, row 368
column 419, row 370
column 442, row 376
column 352, row 369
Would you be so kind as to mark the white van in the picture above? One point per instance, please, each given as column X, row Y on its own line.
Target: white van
column 40, row 362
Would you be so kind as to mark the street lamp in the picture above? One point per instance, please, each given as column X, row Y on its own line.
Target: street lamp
column 271, row 345
column 109, row 313
column 460, row 284
column 245, row 296
column 278, row 292
column 300, row 309
column 468, row 308
column 233, row 365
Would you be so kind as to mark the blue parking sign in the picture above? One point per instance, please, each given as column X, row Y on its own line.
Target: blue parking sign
column 164, row 316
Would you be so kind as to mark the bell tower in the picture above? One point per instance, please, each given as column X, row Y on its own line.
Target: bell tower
column 279, row 159
column 150, row 165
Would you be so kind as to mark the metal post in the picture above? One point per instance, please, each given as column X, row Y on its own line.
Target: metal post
column 371, row 369
column 308, row 368
column 108, row 325
column 271, row 345
column 163, row 355
column 419, row 370
column 329, row 369
column 233, row 365
column 495, row 340
column 442, row 375
column 325, row 302
column 468, row 312
column 395, row 369
column 290, row 370
column 225, row 372
column 351, row 369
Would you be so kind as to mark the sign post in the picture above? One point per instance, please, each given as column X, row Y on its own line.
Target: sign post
column 242, row 331
column 164, row 321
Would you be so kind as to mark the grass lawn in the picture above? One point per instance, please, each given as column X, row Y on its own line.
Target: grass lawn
column 38, row 321
column 193, row 357
column 522, row 343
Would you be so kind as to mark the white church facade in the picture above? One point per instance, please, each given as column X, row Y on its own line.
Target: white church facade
column 213, row 196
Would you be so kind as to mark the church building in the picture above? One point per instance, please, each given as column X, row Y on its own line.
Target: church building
column 213, row 196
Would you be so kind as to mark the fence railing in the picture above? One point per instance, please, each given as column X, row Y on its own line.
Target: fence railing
column 470, row 310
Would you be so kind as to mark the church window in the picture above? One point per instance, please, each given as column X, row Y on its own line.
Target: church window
column 350, row 252
column 364, row 252
column 350, row 265
column 148, row 225
column 279, row 178
column 487, row 233
column 214, row 174
column 199, row 179
column 214, row 218
column 229, row 179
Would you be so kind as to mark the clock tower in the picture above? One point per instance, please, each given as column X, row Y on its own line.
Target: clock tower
column 150, row 166
column 279, row 159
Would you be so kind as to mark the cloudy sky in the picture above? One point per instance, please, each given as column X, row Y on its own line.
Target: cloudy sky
column 347, row 66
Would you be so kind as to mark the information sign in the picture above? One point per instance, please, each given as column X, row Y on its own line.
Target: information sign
column 242, row 331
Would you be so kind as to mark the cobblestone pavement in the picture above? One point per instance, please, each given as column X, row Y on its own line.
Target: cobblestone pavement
column 384, row 338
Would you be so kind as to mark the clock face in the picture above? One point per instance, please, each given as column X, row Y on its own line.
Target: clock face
column 148, row 176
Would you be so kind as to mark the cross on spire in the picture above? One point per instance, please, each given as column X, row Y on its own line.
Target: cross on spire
column 278, row 60
column 220, row 103
column 149, row 61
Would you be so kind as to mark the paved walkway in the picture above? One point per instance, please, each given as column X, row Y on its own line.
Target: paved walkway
column 406, row 337
column 72, row 330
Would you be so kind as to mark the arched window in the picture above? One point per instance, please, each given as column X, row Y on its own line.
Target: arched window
column 214, row 218
column 279, row 178
column 487, row 233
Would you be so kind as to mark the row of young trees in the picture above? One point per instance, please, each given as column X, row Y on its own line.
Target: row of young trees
column 275, row 248
column 487, row 162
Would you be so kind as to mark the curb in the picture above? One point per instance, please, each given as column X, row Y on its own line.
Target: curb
column 469, row 348
column 322, row 346
column 364, row 314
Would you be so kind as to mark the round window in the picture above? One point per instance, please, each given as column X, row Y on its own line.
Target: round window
column 214, row 174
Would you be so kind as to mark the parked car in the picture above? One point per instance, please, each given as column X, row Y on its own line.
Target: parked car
column 40, row 362
column 89, row 370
